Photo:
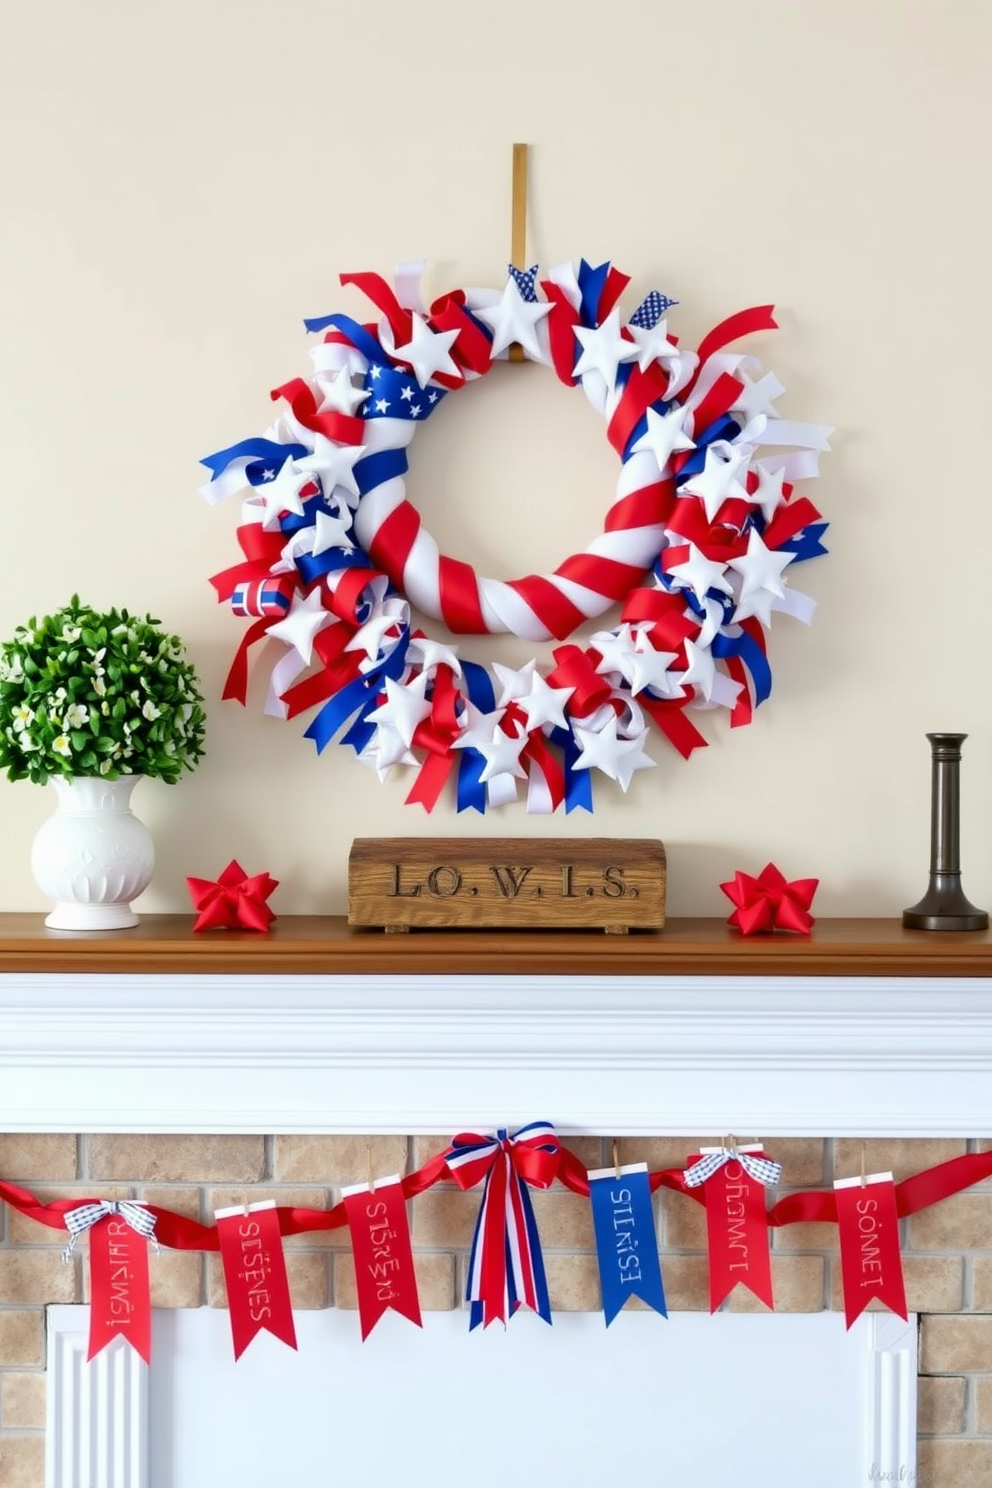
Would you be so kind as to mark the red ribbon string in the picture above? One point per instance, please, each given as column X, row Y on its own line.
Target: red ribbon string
column 640, row 391
column 651, row 506
column 333, row 425
column 575, row 668
column 261, row 550
column 557, row 614
column 719, row 400
column 473, row 348
column 744, row 323
column 177, row 1232
column 561, row 322
column 383, row 296
column 671, row 718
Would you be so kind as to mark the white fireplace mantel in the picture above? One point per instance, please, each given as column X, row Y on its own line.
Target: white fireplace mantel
column 350, row 1051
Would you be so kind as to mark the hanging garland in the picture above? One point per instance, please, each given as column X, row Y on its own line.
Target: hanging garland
column 695, row 544
column 505, row 1269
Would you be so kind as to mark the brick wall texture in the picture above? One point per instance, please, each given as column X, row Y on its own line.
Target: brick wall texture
column 947, row 1254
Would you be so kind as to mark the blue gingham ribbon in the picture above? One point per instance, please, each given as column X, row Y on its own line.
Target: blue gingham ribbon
column 80, row 1219
column 761, row 1169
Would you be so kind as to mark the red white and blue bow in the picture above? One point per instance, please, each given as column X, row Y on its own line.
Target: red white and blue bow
column 80, row 1219
column 505, row 1266
column 761, row 1169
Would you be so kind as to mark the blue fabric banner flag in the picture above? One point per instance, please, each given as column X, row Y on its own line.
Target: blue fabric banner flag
column 626, row 1245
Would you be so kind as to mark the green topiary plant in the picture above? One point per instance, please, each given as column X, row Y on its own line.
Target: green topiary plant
column 85, row 693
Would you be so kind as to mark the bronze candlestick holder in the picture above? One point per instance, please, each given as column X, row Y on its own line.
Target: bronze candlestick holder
column 944, row 906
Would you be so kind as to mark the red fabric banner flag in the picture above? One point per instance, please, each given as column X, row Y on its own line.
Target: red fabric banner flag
column 380, row 1243
column 737, row 1231
column 255, row 1273
column 868, row 1230
column 120, row 1305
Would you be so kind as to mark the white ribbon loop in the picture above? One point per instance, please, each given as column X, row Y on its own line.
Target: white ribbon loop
column 80, row 1219
column 761, row 1169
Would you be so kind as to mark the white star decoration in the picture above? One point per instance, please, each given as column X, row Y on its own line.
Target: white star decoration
column 603, row 349
column 769, row 494
column 653, row 345
column 665, row 434
column 306, row 617
column 718, row 481
column 282, row 494
column 545, row 705
column 427, row 351
column 515, row 319
column 614, row 647
column 701, row 671
column 340, row 394
column 477, row 728
column 761, row 569
column 405, row 707
column 425, row 653
column 618, row 758
column 647, row 667
column 334, row 464
column 502, row 756
column 700, row 574
column 513, row 683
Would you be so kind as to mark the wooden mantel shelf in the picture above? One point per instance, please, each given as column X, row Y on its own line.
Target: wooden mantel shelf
column 326, row 945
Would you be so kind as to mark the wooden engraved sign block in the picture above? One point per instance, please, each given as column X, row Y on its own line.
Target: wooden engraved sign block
column 506, row 883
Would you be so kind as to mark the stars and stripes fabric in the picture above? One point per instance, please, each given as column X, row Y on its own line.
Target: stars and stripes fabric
column 761, row 1169
column 84, row 1216
column 651, row 309
column 526, row 282
column 269, row 596
column 506, row 1268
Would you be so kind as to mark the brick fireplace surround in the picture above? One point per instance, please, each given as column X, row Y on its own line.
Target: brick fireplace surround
column 693, row 995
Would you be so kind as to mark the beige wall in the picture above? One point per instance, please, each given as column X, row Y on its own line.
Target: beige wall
column 180, row 185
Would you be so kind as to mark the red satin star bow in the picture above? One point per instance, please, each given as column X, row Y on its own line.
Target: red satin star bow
column 234, row 901
column 769, row 902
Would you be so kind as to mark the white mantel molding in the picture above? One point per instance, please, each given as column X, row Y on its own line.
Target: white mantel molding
column 683, row 1055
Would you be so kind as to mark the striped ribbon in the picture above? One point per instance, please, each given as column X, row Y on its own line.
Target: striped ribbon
column 761, row 1169
column 505, row 1265
column 80, row 1219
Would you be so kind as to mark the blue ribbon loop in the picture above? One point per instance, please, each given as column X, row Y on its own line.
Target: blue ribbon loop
column 360, row 694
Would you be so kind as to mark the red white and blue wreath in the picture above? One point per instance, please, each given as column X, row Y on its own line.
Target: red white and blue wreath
column 698, row 546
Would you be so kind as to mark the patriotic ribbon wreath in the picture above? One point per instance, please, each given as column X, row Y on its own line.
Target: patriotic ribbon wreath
column 703, row 525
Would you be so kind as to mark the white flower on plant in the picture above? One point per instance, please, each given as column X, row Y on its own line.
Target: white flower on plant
column 57, row 697
column 105, row 709
column 106, row 766
column 119, row 630
column 76, row 715
column 26, row 742
column 71, row 633
column 10, row 668
column 150, row 711
column 62, row 746
column 100, row 686
column 23, row 716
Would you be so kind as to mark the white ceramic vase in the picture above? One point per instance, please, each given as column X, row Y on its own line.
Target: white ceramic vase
column 93, row 856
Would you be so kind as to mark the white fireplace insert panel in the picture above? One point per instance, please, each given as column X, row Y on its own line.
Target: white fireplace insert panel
column 734, row 1398
column 761, row 1056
